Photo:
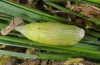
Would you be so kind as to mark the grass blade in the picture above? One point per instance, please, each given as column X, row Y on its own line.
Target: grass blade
column 93, row 33
column 15, row 54
column 66, row 52
column 89, row 38
column 2, row 25
column 37, row 56
column 97, row 43
column 5, row 17
column 94, row 1
column 28, row 14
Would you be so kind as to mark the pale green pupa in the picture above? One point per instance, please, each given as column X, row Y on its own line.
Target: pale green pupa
column 52, row 33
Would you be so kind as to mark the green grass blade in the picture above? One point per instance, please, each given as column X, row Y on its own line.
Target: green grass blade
column 5, row 17
column 97, row 21
column 37, row 56
column 2, row 25
column 94, row 1
column 54, row 56
column 97, row 43
column 49, row 48
column 15, row 54
column 28, row 14
column 68, row 52
column 10, row 43
column 90, row 38
column 98, row 30
column 93, row 33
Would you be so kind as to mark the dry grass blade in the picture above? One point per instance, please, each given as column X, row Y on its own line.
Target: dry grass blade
column 95, row 20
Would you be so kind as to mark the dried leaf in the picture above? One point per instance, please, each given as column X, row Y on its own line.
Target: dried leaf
column 31, row 62
column 30, row 2
column 7, row 60
column 78, row 61
column 11, row 61
column 57, row 62
column 73, row 61
column 44, row 62
column 30, row 51
column 2, row 46
column 85, row 9
column 23, row 1
column 87, row 63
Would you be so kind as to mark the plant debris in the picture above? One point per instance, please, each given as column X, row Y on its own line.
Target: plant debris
column 85, row 9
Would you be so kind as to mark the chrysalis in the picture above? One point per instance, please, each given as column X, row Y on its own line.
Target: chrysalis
column 52, row 33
